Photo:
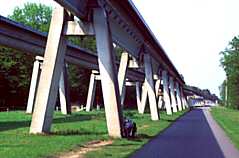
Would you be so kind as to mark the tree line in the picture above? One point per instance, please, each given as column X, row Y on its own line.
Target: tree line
column 230, row 62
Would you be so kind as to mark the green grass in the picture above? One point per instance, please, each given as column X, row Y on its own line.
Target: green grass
column 69, row 132
column 228, row 119
column 122, row 148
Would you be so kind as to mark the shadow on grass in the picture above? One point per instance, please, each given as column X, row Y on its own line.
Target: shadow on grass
column 10, row 125
column 76, row 132
column 140, row 138
column 167, row 120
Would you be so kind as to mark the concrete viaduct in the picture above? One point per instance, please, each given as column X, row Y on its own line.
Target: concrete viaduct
column 144, row 64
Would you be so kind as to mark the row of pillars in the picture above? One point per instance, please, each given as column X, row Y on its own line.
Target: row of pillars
column 63, row 93
column 49, row 79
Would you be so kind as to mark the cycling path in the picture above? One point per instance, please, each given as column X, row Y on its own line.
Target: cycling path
column 195, row 135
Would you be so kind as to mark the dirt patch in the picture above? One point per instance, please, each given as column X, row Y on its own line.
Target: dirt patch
column 91, row 146
column 144, row 126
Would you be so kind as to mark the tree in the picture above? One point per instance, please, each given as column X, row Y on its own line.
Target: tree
column 230, row 63
column 37, row 16
column 16, row 67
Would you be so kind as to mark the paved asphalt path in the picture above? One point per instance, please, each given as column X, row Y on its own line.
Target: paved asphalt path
column 195, row 135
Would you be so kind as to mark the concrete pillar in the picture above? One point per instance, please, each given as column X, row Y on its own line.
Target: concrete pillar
column 107, row 67
column 160, row 102
column 50, row 75
column 143, row 98
column 179, row 101
column 184, row 102
column 172, row 93
column 158, row 97
column 122, row 75
column 64, row 92
column 150, row 87
column 166, row 93
column 34, row 83
column 138, row 96
column 91, row 92
column 157, row 86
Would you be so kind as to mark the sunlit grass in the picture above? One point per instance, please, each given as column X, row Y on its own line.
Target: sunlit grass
column 228, row 119
column 69, row 132
column 147, row 129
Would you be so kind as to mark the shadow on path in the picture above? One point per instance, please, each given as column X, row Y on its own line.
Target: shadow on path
column 189, row 137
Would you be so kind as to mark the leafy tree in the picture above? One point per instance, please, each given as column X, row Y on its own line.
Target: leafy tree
column 16, row 67
column 230, row 63
column 37, row 16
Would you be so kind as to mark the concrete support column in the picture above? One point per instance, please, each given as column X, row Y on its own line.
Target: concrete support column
column 179, row 101
column 184, row 102
column 143, row 98
column 91, row 92
column 50, row 75
column 109, row 81
column 122, row 75
column 157, row 86
column 138, row 96
column 34, row 83
column 166, row 93
column 150, row 87
column 64, row 92
column 172, row 92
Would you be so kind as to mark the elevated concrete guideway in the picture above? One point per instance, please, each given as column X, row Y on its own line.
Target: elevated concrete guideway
column 144, row 64
column 26, row 39
column 126, row 24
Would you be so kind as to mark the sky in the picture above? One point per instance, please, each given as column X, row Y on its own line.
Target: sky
column 192, row 33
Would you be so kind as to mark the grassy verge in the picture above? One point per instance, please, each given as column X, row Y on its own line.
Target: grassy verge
column 228, row 119
column 70, row 132
column 122, row 148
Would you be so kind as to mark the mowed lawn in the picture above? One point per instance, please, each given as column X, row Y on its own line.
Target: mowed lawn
column 73, row 131
column 228, row 119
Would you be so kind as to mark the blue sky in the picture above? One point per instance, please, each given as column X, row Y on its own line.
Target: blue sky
column 192, row 32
